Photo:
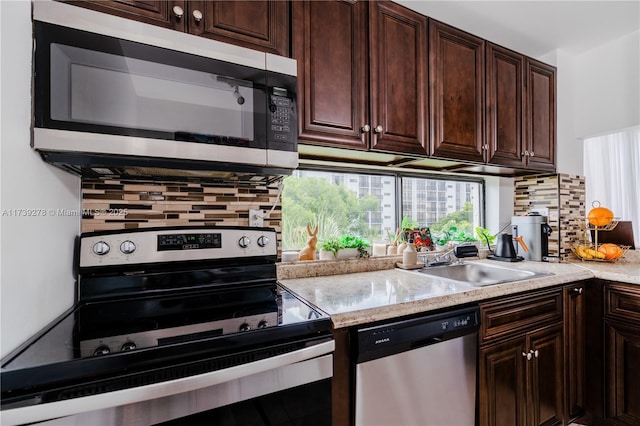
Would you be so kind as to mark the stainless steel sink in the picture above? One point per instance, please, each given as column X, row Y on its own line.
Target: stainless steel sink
column 480, row 274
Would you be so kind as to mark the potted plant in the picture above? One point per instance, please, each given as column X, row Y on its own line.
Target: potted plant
column 351, row 242
column 343, row 247
column 329, row 249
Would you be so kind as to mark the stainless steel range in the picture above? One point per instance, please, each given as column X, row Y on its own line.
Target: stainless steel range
column 165, row 314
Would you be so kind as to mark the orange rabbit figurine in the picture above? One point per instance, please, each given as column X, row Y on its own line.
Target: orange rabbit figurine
column 309, row 251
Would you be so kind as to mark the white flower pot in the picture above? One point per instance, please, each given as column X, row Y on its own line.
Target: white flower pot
column 326, row 255
column 347, row 253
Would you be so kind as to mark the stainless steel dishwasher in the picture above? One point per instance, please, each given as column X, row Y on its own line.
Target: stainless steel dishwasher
column 419, row 371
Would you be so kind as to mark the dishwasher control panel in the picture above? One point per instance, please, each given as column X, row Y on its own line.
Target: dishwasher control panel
column 400, row 336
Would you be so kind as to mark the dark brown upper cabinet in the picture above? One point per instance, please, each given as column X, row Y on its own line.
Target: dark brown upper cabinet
column 262, row 25
column 330, row 45
column 540, row 118
column 456, row 79
column 362, row 69
column 398, row 40
column 504, row 106
column 168, row 14
column 520, row 110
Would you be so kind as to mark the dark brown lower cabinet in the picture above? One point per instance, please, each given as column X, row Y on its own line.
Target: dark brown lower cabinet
column 622, row 376
column 546, row 377
column 574, row 349
column 622, row 360
column 502, row 383
column 521, row 380
column 521, row 374
column 622, row 353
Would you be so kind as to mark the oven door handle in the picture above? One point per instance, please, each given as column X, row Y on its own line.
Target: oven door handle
column 37, row 413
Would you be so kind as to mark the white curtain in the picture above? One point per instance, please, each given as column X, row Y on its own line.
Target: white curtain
column 612, row 174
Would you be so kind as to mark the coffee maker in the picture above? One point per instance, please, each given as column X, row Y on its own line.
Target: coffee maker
column 535, row 232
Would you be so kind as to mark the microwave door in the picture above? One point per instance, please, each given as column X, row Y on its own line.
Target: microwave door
column 213, row 108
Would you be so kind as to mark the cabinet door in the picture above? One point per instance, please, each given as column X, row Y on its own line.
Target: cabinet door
column 622, row 374
column 574, row 346
column 501, row 376
column 456, row 78
column 505, row 72
column 330, row 45
column 168, row 14
column 262, row 25
column 546, row 375
column 540, row 116
column 398, row 89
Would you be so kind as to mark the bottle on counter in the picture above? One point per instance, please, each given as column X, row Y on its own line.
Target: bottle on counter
column 401, row 247
column 409, row 255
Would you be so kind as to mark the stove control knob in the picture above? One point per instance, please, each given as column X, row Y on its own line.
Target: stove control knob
column 263, row 241
column 102, row 350
column 127, row 346
column 244, row 327
column 127, row 247
column 263, row 324
column 244, row 242
column 101, row 248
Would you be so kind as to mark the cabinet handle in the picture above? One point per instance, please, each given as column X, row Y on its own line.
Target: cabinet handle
column 197, row 15
column 177, row 10
column 531, row 154
column 365, row 128
column 525, row 154
column 535, row 353
column 527, row 355
column 577, row 290
column 378, row 129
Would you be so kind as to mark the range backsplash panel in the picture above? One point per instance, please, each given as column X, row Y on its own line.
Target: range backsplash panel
column 125, row 204
column 564, row 196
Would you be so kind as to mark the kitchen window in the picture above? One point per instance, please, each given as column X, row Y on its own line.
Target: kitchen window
column 371, row 205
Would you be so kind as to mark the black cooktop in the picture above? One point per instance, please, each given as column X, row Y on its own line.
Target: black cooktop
column 52, row 366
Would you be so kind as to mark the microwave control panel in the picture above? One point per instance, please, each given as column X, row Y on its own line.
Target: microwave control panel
column 282, row 119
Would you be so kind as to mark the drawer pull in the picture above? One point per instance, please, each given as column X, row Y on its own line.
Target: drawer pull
column 177, row 10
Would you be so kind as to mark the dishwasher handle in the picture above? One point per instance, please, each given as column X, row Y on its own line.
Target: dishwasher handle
column 400, row 336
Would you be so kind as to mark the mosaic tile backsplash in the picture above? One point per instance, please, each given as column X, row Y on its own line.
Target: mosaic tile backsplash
column 564, row 196
column 124, row 204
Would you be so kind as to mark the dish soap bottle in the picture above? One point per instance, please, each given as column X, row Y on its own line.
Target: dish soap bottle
column 410, row 255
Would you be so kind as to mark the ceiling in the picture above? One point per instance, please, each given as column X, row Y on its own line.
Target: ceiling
column 536, row 28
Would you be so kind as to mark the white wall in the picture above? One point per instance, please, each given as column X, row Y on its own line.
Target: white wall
column 499, row 197
column 607, row 87
column 569, row 149
column 36, row 282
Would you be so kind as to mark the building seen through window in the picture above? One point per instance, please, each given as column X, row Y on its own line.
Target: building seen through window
column 372, row 206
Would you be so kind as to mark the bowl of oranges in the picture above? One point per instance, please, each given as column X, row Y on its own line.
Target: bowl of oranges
column 604, row 252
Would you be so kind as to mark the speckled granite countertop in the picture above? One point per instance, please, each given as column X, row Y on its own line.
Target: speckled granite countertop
column 362, row 297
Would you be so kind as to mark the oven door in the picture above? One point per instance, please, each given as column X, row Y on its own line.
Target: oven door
column 303, row 376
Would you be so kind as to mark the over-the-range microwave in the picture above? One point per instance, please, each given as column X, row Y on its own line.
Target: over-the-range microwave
column 114, row 96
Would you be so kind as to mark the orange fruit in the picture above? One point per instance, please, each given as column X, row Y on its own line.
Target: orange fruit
column 610, row 251
column 600, row 216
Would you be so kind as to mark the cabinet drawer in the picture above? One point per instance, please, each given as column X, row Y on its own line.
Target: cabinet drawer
column 622, row 302
column 506, row 317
